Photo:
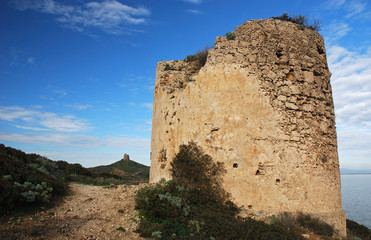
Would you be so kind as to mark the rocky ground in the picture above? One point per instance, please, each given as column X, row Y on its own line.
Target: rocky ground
column 90, row 212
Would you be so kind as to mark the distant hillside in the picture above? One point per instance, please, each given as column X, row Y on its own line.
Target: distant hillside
column 127, row 169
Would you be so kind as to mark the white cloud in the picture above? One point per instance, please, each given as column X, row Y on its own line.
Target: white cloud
column 74, row 140
column 193, row 1
column 36, row 120
column 351, row 84
column 53, row 139
column 30, row 60
column 336, row 30
column 56, row 91
column 333, row 4
column 195, row 11
column 355, row 139
column 14, row 55
column 60, row 92
column 355, row 8
column 128, row 142
column 80, row 106
column 31, row 128
column 149, row 106
column 355, row 148
column 110, row 16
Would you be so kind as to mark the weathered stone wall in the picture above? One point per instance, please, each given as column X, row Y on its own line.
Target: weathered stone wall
column 263, row 105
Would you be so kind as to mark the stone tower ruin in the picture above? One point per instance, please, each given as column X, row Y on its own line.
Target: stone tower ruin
column 262, row 104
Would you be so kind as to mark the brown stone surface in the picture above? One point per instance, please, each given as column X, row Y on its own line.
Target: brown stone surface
column 263, row 105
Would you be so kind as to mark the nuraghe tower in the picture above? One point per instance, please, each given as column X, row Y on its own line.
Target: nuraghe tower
column 262, row 104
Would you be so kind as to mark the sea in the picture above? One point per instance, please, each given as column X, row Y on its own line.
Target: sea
column 356, row 197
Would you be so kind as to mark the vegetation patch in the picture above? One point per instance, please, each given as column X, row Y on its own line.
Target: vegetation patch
column 121, row 229
column 301, row 20
column 230, row 36
column 355, row 230
column 168, row 67
column 28, row 180
column 195, row 206
column 314, row 224
column 200, row 57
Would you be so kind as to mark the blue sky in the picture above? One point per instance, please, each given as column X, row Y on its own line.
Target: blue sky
column 77, row 76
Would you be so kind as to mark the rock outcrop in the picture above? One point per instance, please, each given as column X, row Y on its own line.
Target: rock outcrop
column 263, row 105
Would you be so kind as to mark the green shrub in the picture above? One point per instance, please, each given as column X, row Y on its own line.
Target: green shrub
column 22, row 181
column 35, row 231
column 168, row 67
column 316, row 225
column 190, row 58
column 200, row 57
column 193, row 205
column 121, row 229
column 301, row 20
column 353, row 228
column 230, row 35
column 31, row 193
column 288, row 220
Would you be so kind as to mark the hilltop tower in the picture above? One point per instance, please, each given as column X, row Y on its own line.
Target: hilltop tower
column 262, row 104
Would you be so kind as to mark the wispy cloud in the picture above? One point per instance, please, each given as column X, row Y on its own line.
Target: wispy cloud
column 30, row 60
column 56, row 92
column 352, row 97
column 333, row 4
column 60, row 92
column 33, row 119
column 80, row 106
column 110, row 16
column 351, row 86
column 74, row 140
column 149, row 106
column 355, row 7
column 193, row 1
column 355, row 146
column 55, row 139
column 335, row 31
column 14, row 55
column 352, row 8
column 195, row 11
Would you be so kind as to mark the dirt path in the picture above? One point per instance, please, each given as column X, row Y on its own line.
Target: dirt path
column 91, row 212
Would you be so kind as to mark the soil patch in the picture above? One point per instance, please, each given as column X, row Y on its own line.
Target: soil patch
column 91, row 212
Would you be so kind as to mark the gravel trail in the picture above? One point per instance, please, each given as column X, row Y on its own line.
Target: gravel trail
column 91, row 212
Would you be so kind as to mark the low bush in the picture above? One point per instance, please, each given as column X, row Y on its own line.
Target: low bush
column 316, row 225
column 358, row 230
column 168, row 67
column 20, row 182
column 230, row 35
column 200, row 57
column 193, row 205
column 301, row 20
